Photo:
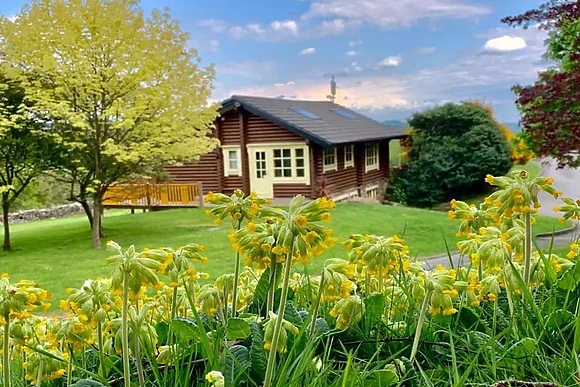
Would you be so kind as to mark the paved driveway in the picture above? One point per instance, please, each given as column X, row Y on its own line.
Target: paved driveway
column 566, row 180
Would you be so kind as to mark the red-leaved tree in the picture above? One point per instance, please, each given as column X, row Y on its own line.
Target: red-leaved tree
column 550, row 108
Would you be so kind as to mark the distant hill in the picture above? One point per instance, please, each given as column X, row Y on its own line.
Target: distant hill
column 396, row 124
column 514, row 127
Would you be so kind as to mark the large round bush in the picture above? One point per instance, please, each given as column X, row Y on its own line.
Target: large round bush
column 454, row 147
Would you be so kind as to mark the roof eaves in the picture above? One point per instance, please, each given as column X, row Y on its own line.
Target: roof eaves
column 283, row 123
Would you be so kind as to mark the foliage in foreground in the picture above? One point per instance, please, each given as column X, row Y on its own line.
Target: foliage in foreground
column 374, row 318
column 549, row 107
column 453, row 147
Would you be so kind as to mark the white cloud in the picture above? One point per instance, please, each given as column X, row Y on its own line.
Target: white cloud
column 400, row 13
column 290, row 83
column 214, row 45
column 505, row 43
column 353, row 43
column 286, row 26
column 249, row 69
column 215, row 25
column 255, row 28
column 426, row 50
column 391, row 61
column 351, row 53
column 308, row 51
column 238, row 32
column 332, row 27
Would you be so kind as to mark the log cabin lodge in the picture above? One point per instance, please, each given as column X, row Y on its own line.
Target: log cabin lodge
column 280, row 148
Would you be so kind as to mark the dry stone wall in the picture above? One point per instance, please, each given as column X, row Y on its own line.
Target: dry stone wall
column 46, row 213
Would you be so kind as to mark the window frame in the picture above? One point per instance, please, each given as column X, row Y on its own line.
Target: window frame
column 374, row 157
column 329, row 167
column 294, row 179
column 226, row 149
column 348, row 163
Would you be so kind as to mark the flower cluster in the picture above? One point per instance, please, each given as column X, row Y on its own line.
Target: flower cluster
column 236, row 207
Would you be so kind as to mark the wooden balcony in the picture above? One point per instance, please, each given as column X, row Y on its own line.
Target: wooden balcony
column 153, row 196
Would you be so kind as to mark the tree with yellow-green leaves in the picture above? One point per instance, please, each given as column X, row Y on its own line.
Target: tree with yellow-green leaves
column 125, row 92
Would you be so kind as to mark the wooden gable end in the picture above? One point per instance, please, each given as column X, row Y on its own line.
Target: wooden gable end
column 258, row 130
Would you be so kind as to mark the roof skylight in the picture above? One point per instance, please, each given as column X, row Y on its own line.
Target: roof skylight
column 343, row 113
column 305, row 113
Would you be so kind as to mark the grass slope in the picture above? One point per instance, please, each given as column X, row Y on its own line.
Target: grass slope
column 56, row 253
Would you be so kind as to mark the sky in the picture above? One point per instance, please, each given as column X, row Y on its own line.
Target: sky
column 390, row 57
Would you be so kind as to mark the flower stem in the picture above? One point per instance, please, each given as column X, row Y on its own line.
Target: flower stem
column 280, row 319
column 39, row 375
column 101, row 350
column 317, row 306
column 140, row 374
column 271, row 288
column 174, row 303
column 6, row 352
column 420, row 325
column 235, row 289
column 528, row 249
column 125, row 330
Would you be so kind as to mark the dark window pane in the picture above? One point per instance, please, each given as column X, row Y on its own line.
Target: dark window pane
column 299, row 163
column 277, row 153
column 300, row 172
column 287, row 163
column 277, row 163
column 278, row 172
column 286, row 153
column 299, row 153
column 287, row 173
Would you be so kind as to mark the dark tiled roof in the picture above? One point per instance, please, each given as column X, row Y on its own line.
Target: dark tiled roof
column 329, row 129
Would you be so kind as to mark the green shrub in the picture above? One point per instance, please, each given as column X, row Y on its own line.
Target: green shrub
column 454, row 147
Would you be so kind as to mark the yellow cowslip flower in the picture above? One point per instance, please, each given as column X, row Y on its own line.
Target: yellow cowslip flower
column 301, row 221
column 325, row 217
column 449, row 311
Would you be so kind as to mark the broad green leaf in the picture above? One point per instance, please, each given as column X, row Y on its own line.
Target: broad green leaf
column 292, row 315
column 570, row 279
column 237, row 328
column 185, row 329
column 257, row 352
column 374, row 309
column 237, row 364
column 87, row 383
column 382, row 378
column 162, row 329
column 524, row 348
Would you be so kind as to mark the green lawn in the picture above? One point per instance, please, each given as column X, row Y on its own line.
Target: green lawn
column 56, row 253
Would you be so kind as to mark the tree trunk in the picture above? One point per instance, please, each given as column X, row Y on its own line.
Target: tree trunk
column 96, row 231
column 83, row 201
column 6, row 218
column 101, row 234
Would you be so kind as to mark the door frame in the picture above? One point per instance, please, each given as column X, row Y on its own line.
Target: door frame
column 269, row 179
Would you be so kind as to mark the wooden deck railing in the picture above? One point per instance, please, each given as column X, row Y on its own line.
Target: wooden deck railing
column 150, row 196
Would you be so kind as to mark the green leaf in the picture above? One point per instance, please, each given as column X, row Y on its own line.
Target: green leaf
column 321, row 328
column 558, row 319
column 261, row 292
column 522, row 349
column 382, row 378
column 162, row 329
column 570, row 279
column 291, row 314
column 257, row 352
column 237, row 364
column 374, row 309
column 185, row 329
column 87, row 383
column 471, row 321
column 237, row 328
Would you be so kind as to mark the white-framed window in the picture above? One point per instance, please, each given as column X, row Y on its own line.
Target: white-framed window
column 349, row 156
column 371, row 157
column 290, row 163
column 232, row 160
column 329, row 160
